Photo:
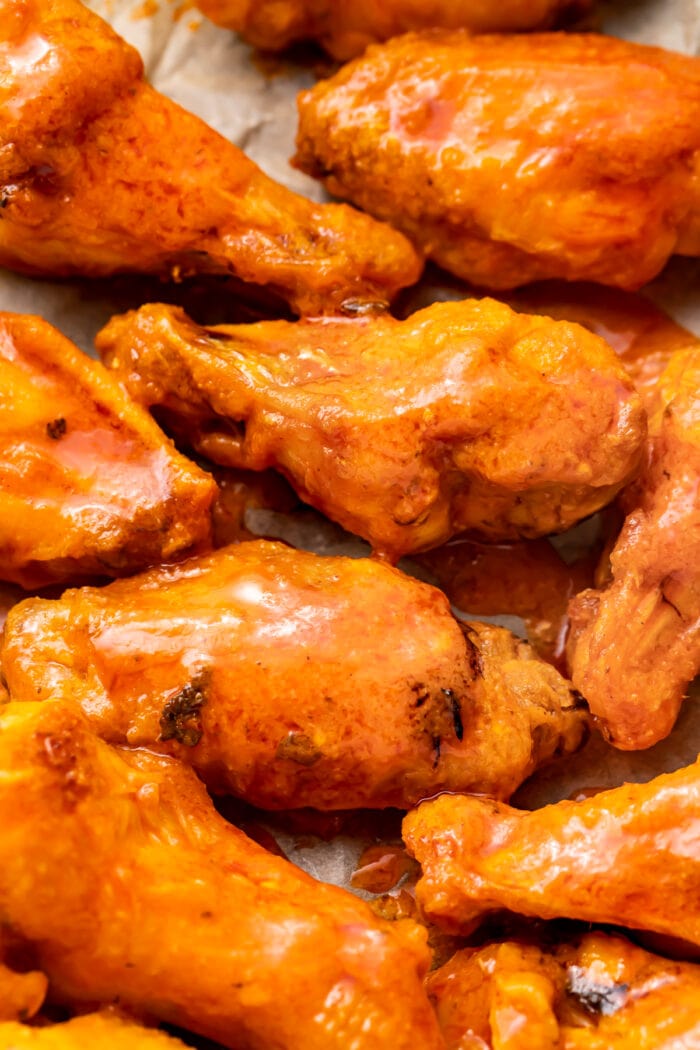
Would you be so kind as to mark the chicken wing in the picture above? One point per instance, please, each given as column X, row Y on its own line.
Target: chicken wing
column 527, row 579
column 511, row 159
column 295, row 680
column 466, row 416
column 99, row 1031
column 89, row 484
column 644, row 337
column 345, row 27
column 596, row 993
column 626, row 856
column 635, row 645
column 100, row 174
column 116, row 869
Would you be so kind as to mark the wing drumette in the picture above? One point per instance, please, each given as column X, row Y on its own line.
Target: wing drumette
column 100, row 174
column 596, row 993
column 345, row 27
column 627, row 856
column 89, row 485
column 514, row 158
column 295, row 680
column 466, row 416
column 635, row 645
column 118, row 873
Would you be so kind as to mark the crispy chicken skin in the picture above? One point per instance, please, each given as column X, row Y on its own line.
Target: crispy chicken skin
column 510, row 159
column 345, row 27
column 626, row 856
column 101, row 175
column 466, row 416
column 98, row 1031
column 294, row 680
column 116, row 869
column 597, row 993
column 644, row 337
column 528, row 579
column 635, row 645
column 89, row 484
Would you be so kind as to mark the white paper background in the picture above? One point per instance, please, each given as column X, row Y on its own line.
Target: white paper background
column 215, row 75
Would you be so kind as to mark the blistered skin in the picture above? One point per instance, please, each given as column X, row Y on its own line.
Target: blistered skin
column 295, row 680
column 345, row 27
column 99, row 1031
column 528, row 579
column 116, row 869
column 511, row 159
column 644, row 337
column 635, row 645
column 102, row 175
column 89, row 485
column 598, row 993
column 626, row 856
column 466, row 416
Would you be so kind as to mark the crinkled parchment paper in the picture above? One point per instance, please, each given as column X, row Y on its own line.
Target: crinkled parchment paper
column 215, row 75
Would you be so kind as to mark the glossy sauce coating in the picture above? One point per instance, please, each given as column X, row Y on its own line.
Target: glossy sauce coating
column 116, row 868
column 466, row 416
column 510, row 159
column 294, row 680
column 89, row 485
column 627, row 856
column 99, row 1031
column 596, row 993
column 102, row 175
column 635, row 645
column 345, row 27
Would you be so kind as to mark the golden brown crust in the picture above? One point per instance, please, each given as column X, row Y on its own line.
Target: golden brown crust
column 89, row 485
column 101, row 175
column 116, row 869
column 466, row 416
column 625, row 856
column 516, row 158
column 294, row 680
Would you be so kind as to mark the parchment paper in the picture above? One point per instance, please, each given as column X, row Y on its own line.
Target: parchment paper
column 215, row 75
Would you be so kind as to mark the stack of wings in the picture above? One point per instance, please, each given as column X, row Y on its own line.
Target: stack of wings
column 156, row 652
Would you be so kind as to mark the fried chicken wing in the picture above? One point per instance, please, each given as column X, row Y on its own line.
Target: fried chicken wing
column 635, row 645
column 89, row 484
column 510, row 159
column 129, row 887
column 596, row 993
column 466, row 416
column 644, row 336
column 99, row 1031
column 529, row 579
column 295, row 680
column 345, row 27
column 627, row 856
column 101, row 175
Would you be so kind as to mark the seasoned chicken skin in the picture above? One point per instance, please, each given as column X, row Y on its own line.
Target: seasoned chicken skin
column 466, row 416
column 99, row 1031
column 597, row 993
column 509, row 159
column 89, row 485
column 345, row 27
column 635, row 645
column 100, row 174
column 295, row 680
column 116, row 869
column 626, row 856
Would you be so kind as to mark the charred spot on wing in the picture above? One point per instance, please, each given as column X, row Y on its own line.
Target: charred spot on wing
column 299, row 748
column 438, row 715
column 605, row 999
column 56, row 428
column 578, row 701
column 456, row 710
column 473, row 653
column 181, row 719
